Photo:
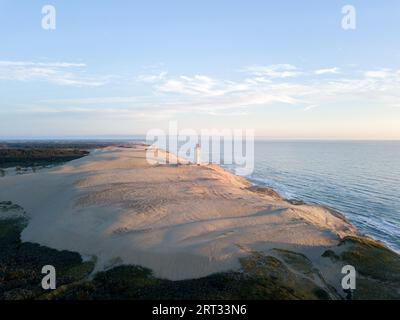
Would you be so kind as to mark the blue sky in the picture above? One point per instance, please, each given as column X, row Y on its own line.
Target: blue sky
column 284, row 68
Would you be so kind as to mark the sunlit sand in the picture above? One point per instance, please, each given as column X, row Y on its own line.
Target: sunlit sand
column 182, row 221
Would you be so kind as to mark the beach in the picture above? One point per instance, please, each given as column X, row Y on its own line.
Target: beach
column 182, row 221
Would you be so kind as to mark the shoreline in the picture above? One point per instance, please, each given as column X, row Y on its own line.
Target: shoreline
column 298, row 199
column 7, row 171
column 181, row 221
column 186, row 161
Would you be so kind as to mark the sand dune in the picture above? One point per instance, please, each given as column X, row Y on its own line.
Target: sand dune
column 182, row 221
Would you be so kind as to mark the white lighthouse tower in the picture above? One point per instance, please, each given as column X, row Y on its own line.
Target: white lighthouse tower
column 197, row 155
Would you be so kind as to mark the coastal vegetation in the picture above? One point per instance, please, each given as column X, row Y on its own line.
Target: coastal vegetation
column 31, row 154
column 22, row 158
column 274, row 271
column 281, row 275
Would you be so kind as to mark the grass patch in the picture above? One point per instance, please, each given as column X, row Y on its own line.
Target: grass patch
column 290, row 275
column 372, row 259
column 377, row 267
column 21, row 262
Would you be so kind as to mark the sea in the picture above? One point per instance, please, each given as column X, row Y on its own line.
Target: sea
column 361, row 179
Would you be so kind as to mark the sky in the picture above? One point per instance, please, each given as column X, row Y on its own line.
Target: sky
column 287, row 69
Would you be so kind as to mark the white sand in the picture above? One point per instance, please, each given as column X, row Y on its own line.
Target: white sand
column 181, row 221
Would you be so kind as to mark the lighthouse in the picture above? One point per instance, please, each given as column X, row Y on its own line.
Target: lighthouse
column 197, row 155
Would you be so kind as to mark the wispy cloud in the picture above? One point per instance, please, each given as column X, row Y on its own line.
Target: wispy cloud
column 199, row 85
column 274, row 71
column 333, row 70
column 382, row 73
column 59, row 73
column 204, row 94
column 152, row 78
column 310, row 107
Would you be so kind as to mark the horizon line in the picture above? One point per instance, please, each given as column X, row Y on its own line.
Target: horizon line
column 143, row 137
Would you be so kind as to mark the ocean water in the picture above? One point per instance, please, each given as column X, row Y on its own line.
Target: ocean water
column 361, row 179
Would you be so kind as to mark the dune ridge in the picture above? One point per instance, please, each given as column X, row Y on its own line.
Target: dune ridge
column 182, row 221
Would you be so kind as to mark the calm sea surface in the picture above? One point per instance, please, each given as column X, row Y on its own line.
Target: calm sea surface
column 360, row 179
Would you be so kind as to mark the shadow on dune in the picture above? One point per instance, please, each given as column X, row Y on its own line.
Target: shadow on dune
column 278, row 274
